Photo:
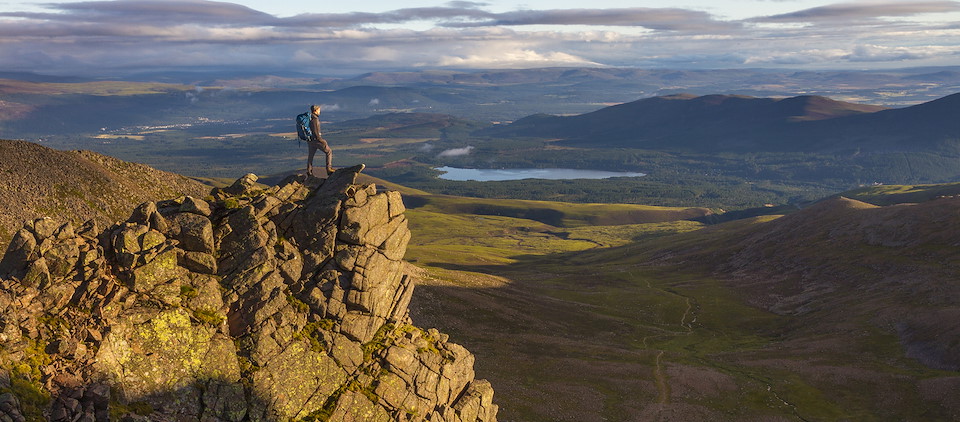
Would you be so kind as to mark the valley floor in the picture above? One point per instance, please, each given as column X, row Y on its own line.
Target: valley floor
column 607, row 326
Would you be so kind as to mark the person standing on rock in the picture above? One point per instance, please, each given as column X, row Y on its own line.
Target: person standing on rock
column 316, row 141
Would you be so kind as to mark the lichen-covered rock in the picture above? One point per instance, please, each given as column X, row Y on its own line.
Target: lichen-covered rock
column 254, row 304
column 164, row 353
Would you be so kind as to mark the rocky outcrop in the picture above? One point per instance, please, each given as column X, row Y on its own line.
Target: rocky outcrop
column 249, row 305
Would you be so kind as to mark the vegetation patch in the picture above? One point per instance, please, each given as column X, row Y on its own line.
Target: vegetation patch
column 188, row 292
column 231, row 203
column 312, row 334
column 297, row 304
column 210, row 317
column 381, row 340
column 366, row 390
column 25, row 380
column 34, row 398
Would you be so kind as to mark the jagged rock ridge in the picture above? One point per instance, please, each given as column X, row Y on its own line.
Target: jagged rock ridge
column 251, row 305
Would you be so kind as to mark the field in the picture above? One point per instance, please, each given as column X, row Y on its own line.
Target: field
column 577, row 322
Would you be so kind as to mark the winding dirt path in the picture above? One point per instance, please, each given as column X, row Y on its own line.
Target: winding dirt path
column 660, row 378
column 663, row 388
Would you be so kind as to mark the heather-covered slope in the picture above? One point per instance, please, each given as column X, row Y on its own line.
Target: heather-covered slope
column 37, row 181
column 840, row 311
column 792, row 263
column 896, row 267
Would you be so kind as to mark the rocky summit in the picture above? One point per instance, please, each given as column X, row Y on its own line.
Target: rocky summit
column 252, row 304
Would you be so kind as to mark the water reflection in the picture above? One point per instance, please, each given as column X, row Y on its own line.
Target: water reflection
column 494, row 175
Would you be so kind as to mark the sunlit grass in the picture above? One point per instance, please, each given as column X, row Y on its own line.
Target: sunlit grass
column 894, row 194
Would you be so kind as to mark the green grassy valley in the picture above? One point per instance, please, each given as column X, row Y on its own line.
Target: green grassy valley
column 654, row 320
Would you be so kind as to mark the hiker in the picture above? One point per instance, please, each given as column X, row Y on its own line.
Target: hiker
column 317, row 141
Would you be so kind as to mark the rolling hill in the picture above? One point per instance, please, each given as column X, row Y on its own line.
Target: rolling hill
column 930, row 126
column 38, row 181
column 841, row 311
column 843, row 264
column 733, row 123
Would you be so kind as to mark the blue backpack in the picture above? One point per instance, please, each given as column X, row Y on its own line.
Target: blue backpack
column 303, row 127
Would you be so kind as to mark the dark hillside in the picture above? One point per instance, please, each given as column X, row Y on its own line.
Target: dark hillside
column 843, row 262
column 688, row 122
column 36, row 181
column 930, row 126
column 811, row 107
column 741, row 124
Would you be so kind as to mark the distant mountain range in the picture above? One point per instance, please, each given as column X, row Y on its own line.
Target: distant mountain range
column 743, row 124
column 487, row 95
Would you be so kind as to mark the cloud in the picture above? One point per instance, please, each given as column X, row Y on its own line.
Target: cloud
column 862, row 53
column 125, row 36
column 152, row 12
column 456, row 152
column 456, row 14
column 467, row 14
column 355, row 19
column 666, row 19
column 799, row 57
column 467, row 4
column 847, row 12
column 513, row 59
column 879, row 53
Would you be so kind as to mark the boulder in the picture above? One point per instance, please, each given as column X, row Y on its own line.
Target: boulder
column 193, row 231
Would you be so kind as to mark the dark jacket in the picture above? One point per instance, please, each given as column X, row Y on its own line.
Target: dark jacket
column 315, row 127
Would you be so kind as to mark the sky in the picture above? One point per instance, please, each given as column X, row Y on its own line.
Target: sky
column 103, row 38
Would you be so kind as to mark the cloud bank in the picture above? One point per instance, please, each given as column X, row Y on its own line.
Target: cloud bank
column 125, row 36
column 858, row 12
